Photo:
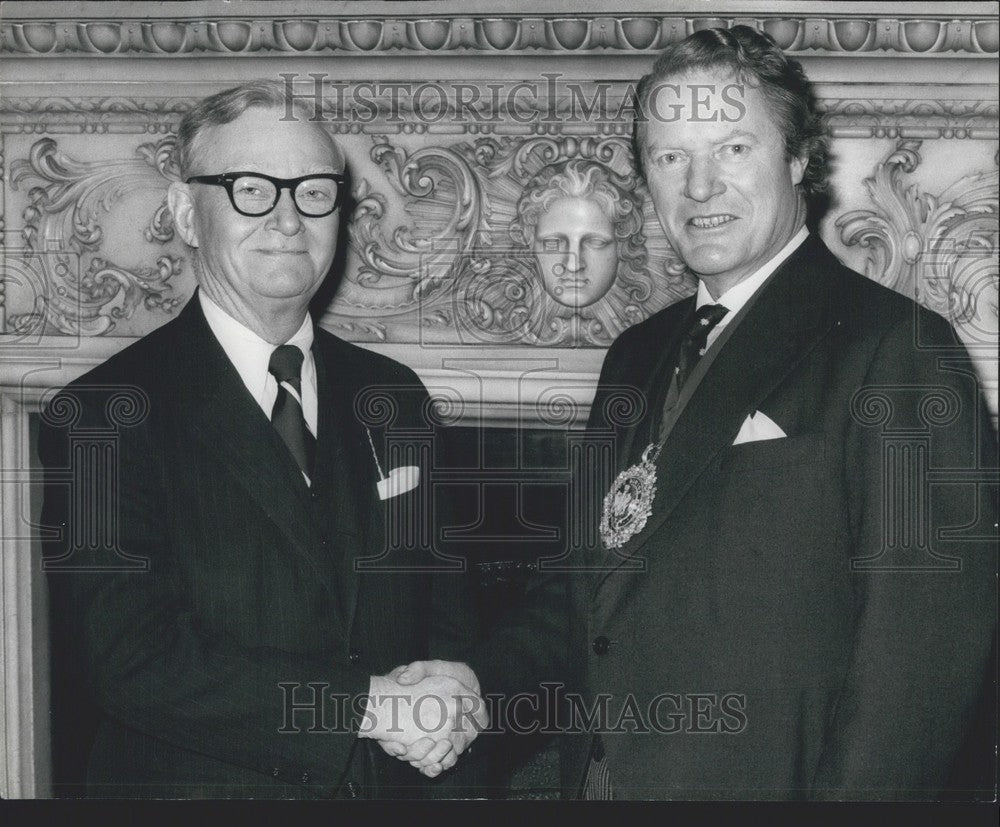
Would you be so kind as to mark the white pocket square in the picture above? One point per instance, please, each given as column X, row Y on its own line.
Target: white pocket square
column 399, row 481
column 758, row 427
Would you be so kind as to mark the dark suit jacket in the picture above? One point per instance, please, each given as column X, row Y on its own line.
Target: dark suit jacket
column 206, row 586
column 807, row 617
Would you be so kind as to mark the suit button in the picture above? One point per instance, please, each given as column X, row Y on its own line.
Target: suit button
column 305, row 778
column 353, row 790
column 601, row 644
column 354, row 657
column 313, row 493
column 275, row 772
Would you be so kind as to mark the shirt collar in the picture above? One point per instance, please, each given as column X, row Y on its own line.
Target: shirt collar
column 249, row 353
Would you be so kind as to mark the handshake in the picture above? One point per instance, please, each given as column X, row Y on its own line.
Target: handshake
column 426, row 713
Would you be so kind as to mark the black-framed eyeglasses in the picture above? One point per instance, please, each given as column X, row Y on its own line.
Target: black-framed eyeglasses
column 256, row 194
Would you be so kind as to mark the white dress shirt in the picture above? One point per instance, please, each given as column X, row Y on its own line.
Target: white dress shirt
column 738, row 295
column 250, row 355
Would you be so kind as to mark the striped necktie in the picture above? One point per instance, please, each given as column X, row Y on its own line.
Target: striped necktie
column 286, row 415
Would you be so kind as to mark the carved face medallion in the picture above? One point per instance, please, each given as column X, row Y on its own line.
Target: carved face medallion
column 576, row 251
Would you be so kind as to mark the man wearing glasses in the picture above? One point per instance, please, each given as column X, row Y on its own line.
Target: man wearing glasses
column 232, row 637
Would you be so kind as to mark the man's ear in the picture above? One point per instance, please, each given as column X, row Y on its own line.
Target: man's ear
column 182, row 209
column 797, row 169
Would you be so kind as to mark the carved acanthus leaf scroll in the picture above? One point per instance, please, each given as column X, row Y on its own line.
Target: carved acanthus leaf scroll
column 81, row 291
column 940, row 250
column 453, row 213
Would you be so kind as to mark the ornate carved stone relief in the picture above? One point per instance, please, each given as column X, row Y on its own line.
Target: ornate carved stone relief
column 80, row 291
column 540, row 108
column 923, row 118
column 445, row 247
column 939, row 249
column 296, row 34
column 461, row 270
column 474, row 270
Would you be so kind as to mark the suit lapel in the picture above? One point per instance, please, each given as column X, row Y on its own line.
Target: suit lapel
column 652, row 379
column 330, row 422
column 231, row 428
column 345, row 470
column 658, row 384
column 789, row 317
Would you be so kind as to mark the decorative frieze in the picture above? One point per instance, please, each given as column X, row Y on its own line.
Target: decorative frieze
column 441, row 249
column 485, row 35
column 578, row 107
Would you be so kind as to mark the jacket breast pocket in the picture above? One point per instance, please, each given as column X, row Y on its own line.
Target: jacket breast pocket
column 748, row 457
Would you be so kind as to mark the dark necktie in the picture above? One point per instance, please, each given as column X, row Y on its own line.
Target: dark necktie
column 286, row 416
column 693, row 345
column 692, row 348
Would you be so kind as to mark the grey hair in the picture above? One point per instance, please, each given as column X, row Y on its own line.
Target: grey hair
column 225, row 107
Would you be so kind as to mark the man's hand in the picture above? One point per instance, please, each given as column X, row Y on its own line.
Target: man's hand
column 427, row 718
column 420, row 669
column 426, row 753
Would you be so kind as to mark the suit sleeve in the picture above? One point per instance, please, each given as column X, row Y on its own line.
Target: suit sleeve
column 922, row 637
column 150, row 666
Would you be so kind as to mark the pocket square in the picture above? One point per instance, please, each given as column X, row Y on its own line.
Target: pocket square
column 758, row 427
column 399, row 481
